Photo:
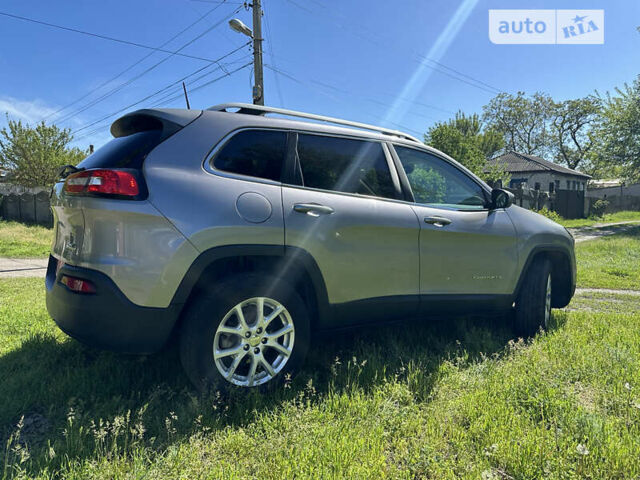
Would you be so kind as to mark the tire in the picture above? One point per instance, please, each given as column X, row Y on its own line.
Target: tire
column 213, row 319
column 533, row 305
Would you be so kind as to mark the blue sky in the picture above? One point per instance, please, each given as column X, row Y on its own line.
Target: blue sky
column 360, row 60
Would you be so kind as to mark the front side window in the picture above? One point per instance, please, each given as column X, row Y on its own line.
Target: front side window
column 344, row 165
column 255, row 153
column 437, row 183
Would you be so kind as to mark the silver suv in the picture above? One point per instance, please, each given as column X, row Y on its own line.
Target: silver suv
column 244, row 235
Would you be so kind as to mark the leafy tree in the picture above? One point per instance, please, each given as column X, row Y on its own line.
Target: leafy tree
column 524, row 121
column 464, row 139
column 572, row 130
column 448, row 139
column 33, row 156
column 428, row 185
column 618, row 132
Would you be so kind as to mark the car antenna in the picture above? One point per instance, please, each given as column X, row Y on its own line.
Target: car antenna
column 186, row 97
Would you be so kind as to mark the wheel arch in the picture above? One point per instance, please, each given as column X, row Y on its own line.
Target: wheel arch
column 293, row 264
column 562, row 273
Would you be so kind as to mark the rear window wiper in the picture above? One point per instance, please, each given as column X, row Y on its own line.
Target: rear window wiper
column 67, row 170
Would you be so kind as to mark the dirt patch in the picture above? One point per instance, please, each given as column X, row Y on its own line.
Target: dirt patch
column 599, row 230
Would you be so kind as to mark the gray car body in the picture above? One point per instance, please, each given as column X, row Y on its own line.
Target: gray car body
column 367, row 249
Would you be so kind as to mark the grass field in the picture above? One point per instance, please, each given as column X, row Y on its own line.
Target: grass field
column 18, row 240
column 610, row 262
column 609, row 217
column 456, row 398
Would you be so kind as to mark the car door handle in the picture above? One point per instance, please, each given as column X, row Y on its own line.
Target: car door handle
column 437, row 221
column 313, row 209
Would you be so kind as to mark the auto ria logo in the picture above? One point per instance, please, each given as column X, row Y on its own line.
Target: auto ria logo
column 546, row 26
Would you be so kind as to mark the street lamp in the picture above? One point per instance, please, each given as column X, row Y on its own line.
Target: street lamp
column 240, row 27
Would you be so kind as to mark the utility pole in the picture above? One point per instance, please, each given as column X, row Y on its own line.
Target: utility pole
column 258, row 87
column 256, row 36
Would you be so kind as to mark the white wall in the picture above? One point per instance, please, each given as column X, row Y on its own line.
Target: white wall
column 544, row 178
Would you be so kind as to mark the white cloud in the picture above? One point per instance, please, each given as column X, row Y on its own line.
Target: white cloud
column 30, row 111
column 34, row 111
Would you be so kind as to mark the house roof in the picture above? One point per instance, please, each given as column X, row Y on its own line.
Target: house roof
column 521, row 162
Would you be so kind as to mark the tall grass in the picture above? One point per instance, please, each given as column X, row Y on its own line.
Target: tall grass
column 18, row 240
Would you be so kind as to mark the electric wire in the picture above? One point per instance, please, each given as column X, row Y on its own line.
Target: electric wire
column 149, row 69
column 133, row 65
column 333, row 97
column 451, row 73
column 273, row 61
column 104, row 37
column 143, row 99
column 227, row 74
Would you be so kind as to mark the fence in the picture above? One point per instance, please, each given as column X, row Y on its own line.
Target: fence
column 567, row 203
column 624, row 197
column 25, row 205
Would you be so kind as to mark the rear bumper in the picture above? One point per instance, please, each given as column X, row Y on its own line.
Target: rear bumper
column 106, row 319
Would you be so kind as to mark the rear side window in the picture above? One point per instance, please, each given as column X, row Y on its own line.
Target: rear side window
column 255, row 153
column 344, row 165
column 124, row 152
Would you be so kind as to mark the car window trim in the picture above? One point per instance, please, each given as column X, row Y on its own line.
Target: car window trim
column 209, row 167
column 407, row 185
column 383, row 145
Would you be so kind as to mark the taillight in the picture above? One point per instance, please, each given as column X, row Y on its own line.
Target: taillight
column 78, row 285
column 102, row 182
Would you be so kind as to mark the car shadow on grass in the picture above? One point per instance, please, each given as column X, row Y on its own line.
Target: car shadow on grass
column 74, row 399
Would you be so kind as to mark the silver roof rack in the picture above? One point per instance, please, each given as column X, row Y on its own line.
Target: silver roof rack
column 251, row 109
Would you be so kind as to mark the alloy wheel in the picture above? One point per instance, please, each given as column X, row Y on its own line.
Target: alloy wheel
column 253, row 342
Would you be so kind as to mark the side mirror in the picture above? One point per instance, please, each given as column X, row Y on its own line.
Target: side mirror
column 501, row 198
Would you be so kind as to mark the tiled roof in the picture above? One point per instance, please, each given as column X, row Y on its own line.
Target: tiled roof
column 522, row 162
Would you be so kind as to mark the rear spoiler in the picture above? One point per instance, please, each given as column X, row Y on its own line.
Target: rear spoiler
column 169, row 121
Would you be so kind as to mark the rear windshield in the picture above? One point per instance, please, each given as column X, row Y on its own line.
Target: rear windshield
column 124, row 152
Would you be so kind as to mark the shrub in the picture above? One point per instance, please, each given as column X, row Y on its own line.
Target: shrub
column 550, row 214
column 599, row 207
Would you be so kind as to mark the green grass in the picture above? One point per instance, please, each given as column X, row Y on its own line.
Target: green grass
column 457, row 398
column 18, row 240
column 610, row 262
column 608, row 217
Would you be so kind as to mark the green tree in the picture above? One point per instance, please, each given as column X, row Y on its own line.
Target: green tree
column 524, row 121
column 618, row 132
column 572, row 131
column 33, row 156
column 427, row 184
column 465, row 139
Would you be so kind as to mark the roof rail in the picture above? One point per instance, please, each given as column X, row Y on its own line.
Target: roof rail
column 248, row 108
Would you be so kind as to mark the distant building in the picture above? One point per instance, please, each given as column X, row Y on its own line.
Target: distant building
column 536, row 173
column 605, row 183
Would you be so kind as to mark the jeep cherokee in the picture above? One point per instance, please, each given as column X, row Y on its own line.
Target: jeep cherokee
column 243, row 230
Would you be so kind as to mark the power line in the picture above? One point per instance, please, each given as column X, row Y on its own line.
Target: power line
column 175, row 84
column 152, row 67
column 270, row 46
column 347, row 94
column 202, row 17
column 219, row 1
column 149, row 96
column 472, row 81
column 104, row 37
column 291, row 77
column 195, row 89
column 169, row 97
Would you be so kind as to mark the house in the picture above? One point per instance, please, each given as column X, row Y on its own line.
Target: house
column 536, row 173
